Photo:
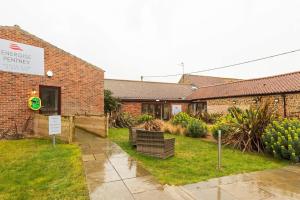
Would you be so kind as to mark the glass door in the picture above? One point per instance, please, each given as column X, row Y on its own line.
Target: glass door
column 50, row 97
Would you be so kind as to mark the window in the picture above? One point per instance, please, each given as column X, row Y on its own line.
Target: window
column 50, row 97
column 167, row 113
column 198, row 107
column 157, row 110
column 148, row 108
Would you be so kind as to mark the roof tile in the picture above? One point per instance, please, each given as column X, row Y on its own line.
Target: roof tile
column 283, row 83
column 127, row 89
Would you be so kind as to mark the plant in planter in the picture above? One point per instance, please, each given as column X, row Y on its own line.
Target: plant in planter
column 144, row 118
column 281, row 138
column 154, row 125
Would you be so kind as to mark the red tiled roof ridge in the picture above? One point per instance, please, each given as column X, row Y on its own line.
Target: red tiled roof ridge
column 16, row 27
column 212, row 76
column 282, row 83
column 111, row 79
column 253, row 79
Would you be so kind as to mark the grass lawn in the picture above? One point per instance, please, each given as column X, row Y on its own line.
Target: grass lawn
column 33, row 169
column 195, row 160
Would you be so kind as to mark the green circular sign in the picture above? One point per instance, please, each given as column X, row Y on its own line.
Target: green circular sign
column 34, row 103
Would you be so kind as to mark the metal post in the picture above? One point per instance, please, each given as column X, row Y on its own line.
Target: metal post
column 219, row 149
column 53, row 140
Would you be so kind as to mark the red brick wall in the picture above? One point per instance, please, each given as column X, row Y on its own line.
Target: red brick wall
column 134, row 108
column 81, row 83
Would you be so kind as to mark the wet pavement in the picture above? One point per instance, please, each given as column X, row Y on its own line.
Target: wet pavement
column 113, row 174
column 277, row 184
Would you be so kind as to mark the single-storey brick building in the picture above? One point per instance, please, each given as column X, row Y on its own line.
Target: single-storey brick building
column 208, row 94
column 283, row 92
column 30, row 66
column 161, row 100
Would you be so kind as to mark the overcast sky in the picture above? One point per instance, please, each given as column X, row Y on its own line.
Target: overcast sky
column 130, row 38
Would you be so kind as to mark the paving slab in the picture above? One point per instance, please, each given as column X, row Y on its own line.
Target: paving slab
column 246, row 191
column 88, row 157
column 142, row 184
column 110, row 191
column 153, row 195
column 213, row 194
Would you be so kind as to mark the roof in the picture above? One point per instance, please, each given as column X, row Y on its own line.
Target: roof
column 284, row 83
column 203, row 81
column 144, row 90
column 17, row 28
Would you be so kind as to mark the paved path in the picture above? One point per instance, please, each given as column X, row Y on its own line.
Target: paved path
column 112, row 174
column 279, row 184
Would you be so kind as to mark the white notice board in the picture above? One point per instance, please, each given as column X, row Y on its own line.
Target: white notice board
column 176, row 109
column 21, row 58
column 54, row 124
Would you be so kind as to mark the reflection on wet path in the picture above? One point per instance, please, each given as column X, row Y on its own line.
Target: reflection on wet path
column 113, row 174
column 277, row 184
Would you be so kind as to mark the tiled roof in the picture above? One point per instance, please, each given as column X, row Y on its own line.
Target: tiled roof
column 203, row 81
column 127, row 89
column 283, row 83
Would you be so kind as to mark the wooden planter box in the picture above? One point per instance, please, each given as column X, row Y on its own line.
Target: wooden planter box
column 152, row 143
column 132, row 135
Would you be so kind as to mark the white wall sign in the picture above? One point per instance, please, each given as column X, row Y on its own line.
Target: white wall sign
column 21, row 58
column 176, row 109
column 54, row 124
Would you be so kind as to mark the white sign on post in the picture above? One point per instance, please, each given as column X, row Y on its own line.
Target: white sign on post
column 21, row 58
column 54, row 125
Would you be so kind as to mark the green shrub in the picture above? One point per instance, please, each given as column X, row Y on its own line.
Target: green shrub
column 209, row 118
column 281, row 138
column 144, row 118
column 196, row 128
column 182, row 119
column 123, row 120
column 223, row 126
column 247, row 127
column 234, row 108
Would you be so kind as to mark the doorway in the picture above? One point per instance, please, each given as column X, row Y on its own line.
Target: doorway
column 51, row 100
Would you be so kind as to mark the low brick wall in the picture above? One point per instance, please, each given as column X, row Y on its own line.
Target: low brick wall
column 92, row 123
column 41, row 127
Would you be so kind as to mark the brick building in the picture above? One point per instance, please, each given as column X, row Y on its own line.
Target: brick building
column 67, row 85
column 161, row 100
column 212, row 94
column 283, row 92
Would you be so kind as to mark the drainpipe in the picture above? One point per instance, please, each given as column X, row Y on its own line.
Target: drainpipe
column 284, row 104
